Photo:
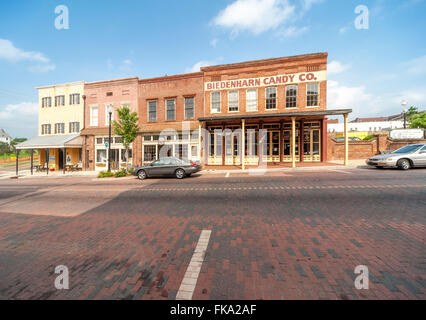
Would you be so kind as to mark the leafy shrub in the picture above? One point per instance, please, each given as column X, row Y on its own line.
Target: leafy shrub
column 105, row 174
column 369, row 137
column 120, row 174
column 130, row 171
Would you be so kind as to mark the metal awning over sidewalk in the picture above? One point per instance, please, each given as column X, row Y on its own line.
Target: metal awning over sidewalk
column 52, row 142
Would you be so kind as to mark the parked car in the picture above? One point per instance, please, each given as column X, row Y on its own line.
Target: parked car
column 413, row 155
column 168, row 167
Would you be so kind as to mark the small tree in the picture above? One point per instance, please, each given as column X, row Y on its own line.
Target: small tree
column 127, row 128
column 418, row 121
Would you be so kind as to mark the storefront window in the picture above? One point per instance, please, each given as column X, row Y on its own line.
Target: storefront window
column 123, row 154
column 251, row 100
column 101, row 156
column 215, row 96
column 312, row 95
column 271, row 98
column 170, row 109
column 189, row 108
column 291, row 97
column 233, row 101
column 150, row 153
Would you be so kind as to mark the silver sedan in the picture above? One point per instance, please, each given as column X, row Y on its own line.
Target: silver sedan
column 413, row 155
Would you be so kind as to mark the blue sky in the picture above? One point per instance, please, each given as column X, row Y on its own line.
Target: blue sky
column 370, row 70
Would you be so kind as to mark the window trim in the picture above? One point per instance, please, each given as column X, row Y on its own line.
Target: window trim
column 211, row 102
column 276, row 99
column 94, row 106
column 257, row 100
column 318, row 100
column 106, row 113
column 297, row 96
column 165, row 109
column 156, row 110
column 193, row 107
column 238, row 101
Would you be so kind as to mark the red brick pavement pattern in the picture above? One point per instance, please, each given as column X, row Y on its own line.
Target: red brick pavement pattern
column 291, row 249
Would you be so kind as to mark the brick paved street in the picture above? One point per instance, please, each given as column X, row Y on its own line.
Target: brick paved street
column 284, row 235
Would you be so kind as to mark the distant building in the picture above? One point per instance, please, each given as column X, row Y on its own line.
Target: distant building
column 4, row 137
column 376, row 124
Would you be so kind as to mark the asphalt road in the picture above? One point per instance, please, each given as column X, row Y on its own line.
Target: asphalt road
column 284, row 235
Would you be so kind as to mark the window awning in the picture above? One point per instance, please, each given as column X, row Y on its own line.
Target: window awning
column 52, row 142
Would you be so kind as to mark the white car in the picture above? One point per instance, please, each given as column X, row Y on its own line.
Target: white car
column 413, row 155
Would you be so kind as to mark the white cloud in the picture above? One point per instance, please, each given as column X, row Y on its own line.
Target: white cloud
column 214, row 42
column 196, row 67
column 343, row 30
column 17, row 111
column 307, row 4
column 291, row 31
column 416, row 66
column 335, row 67
column 364, row 103
column 42, row 68
column 10, row 53
column 255, row 16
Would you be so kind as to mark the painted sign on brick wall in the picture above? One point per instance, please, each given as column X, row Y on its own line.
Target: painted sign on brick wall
column 267, row 81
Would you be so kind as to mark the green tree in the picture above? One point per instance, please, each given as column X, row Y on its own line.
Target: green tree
column 412, row 111
column 4, row 148
column 418, row 121
column 15, row 141
column 127, row 128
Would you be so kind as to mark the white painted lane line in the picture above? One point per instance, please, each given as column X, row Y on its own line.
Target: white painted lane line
column 340, row 171
column 190, row 278
column 227, row 174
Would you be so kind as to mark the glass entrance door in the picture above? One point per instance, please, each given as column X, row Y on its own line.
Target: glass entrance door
column 273, row 146
column 215, row 146
column 312, row 145
column 288, row 145
column 115, row 159
column 232, row 146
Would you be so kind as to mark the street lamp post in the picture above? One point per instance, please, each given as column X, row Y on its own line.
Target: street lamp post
column 110, row 110
column 404, row 104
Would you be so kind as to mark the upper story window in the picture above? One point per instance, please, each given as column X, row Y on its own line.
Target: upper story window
column 215, row 97
column 46, row 102
column 251, row 100
column 59, row 101
column 171, row 109
column 74, row 127
column 233, row 101
column 271, row 98
column 74, row 98
column 312, row 94
column 152, row 111
column 94, row 116
column 59, row 128
column 107, row 114
column 46, row 129
column 291, row 97
column 189, row 108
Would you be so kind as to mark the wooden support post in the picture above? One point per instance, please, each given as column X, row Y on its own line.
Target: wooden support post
column 32, row 161
column 293, row 141
column 199, row 140
column 47, row 161
column 346, row 140
column 17, row 162
column 64, row 159
column 243, row 144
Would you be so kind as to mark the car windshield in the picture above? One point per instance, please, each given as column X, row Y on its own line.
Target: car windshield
column 408, row 149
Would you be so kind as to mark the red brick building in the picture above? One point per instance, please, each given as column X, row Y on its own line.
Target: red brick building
column 278, row 105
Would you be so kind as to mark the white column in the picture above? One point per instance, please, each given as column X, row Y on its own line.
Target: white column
column 293, row 142
column 346, row 140
column 243, row 144
column 199, row 141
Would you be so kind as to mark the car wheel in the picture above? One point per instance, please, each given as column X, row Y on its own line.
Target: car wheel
column 142, row 175
column 180, row 173
column 404, row 164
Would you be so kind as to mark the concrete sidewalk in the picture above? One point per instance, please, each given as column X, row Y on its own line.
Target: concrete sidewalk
column 353, row 164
